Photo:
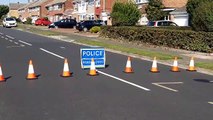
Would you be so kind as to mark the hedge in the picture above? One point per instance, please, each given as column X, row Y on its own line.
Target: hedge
column 175, row 38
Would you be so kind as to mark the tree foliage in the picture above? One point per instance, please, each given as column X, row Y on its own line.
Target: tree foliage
column 154, row 10
column 3, row 10
column 203, row 17
column 125, row 14
column 200, row 14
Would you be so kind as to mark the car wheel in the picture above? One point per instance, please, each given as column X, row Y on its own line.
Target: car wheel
column 85, row 29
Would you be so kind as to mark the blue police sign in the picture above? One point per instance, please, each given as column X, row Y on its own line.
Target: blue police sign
column 94, row 52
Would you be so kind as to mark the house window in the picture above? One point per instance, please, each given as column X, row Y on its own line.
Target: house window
column 97, row 3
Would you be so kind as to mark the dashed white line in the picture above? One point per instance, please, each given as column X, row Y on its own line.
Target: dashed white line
column 122, row 80
column 51, row 53
column 10, row 37
column 2, row 36
column 16, row 43
column 25, row 43
column 10, row 40
column 6, row 38
column 1, row 33
column 210, row 103
column 125, row 81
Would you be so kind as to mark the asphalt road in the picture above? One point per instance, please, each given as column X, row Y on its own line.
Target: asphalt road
column 112, row 95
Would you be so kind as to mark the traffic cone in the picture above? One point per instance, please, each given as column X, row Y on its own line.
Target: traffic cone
column 2, row 79
column 66, row 72
column 191, row 65
column 92, row 71
column 154, row 68
column 175, row 67
column 31, row 75
column 128, row 68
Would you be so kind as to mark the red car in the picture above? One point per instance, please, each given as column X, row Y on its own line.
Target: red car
column 42, row 21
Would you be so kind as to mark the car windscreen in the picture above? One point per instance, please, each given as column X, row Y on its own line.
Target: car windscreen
column 10, row 19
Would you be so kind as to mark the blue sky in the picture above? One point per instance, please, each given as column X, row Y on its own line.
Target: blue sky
column 6, row 2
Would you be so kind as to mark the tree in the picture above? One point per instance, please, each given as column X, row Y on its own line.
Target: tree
column 154, row 10
column 125, row 14
column 202, row 19
column 192, row 5
column 3, row 10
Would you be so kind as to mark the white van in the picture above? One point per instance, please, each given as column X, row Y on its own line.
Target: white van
column 9, row 22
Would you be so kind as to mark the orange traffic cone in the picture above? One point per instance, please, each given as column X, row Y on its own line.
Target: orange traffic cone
column 31, row 75
column 92, row 71
column 154, row 68
column 1, row 75
column 191, row 65
column 66, row 72
column 128, row 68
column 175, row 67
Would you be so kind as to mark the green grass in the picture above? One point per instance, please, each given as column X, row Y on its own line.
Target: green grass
column 151, row 54
column 33, row 29
column 204, row 65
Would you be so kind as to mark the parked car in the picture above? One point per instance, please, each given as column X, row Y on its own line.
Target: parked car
column 64, row 23
column 9, row 22
column 88, row 24
column 42, row 21
column 161, row 23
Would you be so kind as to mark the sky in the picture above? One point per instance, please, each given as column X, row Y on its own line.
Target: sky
column 6, row 2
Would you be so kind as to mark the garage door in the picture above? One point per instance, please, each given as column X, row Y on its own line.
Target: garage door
column 181, row 20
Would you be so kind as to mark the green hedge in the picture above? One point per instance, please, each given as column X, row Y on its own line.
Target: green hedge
column 175, row 38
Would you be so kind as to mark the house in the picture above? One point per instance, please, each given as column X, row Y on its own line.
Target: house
column 59, row 9
column 177, row 11
column 38, row 9
column 24, row 12
column 13, row 9
column 103, row 8
column 83, row 10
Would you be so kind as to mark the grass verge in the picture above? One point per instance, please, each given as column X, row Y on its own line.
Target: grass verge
column 204, row 65
column 151, row 54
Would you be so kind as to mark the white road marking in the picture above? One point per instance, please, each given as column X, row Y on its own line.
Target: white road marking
column 210, row 103
column 125, row 81
column 52, row 53
column 122, row 80
column 10, row 40
column 22, row 45
column 10, row 37
column 2, row 36
column 1, row 33
column 25, row 43
column 6, row 38
column 167, row 83
column 16, row 43
column 14, row 46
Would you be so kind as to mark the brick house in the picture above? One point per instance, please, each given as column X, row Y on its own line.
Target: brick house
column 58, row 9
column 13, row 9
column 38, row 9
column 103, row 8
column 24, row 12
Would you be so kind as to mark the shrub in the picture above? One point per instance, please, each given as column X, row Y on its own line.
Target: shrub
column 125, row 14
column 29, row 20
column 174, row 38
column 95, row 29
column 203, row 17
